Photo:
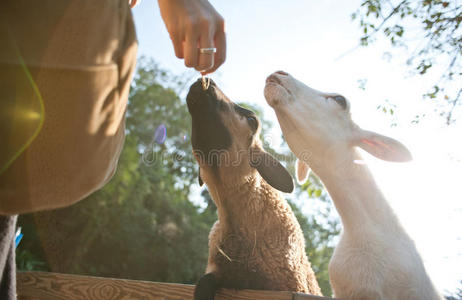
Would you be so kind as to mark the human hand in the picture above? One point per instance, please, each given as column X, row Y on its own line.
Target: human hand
column 194, row 24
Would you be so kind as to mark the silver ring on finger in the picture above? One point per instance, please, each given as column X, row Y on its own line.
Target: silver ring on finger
column 207, row 50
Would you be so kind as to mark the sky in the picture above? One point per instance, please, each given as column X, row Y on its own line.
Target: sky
column 316, row 42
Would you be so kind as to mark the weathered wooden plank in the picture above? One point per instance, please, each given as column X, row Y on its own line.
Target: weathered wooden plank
column 54, row 286
column 301, row 296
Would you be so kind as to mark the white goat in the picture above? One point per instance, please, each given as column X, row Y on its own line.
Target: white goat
column 375, row 258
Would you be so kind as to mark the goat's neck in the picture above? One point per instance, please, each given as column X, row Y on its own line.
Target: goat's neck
column 244, row 202
column 357, row 198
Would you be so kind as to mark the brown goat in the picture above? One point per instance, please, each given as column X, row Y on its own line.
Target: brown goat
column 257, row 242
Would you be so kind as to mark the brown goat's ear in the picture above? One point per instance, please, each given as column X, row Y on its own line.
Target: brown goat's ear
column 201, row 183
column 271, row 170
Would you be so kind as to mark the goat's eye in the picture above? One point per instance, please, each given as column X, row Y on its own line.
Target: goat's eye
column 253, row 123
column 341, row 101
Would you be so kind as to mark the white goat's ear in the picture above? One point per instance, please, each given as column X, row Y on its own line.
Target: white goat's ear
column 383, row 147
column 271, row 170
column 302, row 170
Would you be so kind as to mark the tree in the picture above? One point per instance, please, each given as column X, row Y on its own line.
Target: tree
column 439, row 40
column 457, row 295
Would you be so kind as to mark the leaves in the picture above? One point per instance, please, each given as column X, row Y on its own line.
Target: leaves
column 439, row 32
column 434, row 93
column 389, row 108
column 457, row 295
column 27, row 261
column 362, row 84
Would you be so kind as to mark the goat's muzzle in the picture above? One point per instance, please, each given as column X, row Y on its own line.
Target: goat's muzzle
column 198, row 97
column 209, row 133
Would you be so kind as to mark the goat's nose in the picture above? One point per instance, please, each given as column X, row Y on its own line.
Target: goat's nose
column 282, row 73
column 198, row 90
column 273, row 78
column 198, row 85
column 195, row 94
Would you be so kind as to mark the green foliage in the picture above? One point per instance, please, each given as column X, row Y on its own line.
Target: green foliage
column 29, row 254
column 321, row 227
column 389, row 109
column 27, row 261
column 439, row 30
column 457, row 295
column 142, row 224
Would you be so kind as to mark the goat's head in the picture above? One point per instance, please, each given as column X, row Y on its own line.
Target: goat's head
column 318, row 126
column 226, row 143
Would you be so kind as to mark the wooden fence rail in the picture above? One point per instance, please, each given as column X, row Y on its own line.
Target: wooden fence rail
column 54, row 286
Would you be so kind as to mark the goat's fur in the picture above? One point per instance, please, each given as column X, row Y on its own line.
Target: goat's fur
column 375, row 258
column 257, row 242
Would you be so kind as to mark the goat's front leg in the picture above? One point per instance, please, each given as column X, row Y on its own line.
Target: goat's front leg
column 206, row 287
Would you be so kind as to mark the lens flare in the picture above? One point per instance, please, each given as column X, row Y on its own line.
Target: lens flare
column 22, row 122
column 160, row 135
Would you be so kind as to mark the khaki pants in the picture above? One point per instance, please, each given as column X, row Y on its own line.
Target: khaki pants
column 65, row 72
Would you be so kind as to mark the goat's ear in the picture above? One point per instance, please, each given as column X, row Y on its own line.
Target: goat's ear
column 271, row 170
column 383, row 147
column 302, row 170
column 201, row 183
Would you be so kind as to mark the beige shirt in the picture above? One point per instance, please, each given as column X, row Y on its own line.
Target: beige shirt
column 65, row 72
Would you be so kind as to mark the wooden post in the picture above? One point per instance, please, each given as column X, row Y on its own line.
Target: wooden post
column 54, row 286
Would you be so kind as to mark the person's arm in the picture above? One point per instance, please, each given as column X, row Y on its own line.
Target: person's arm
column 194, row 24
